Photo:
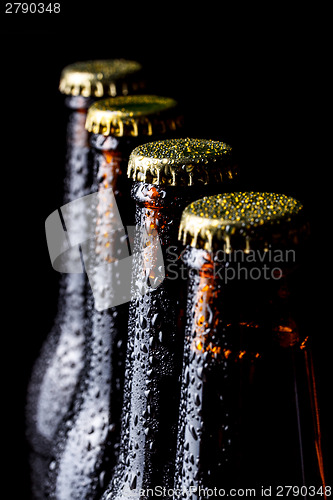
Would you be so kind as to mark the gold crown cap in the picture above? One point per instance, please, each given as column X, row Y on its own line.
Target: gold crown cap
column 99, row 77
column 132, row 115
column 236, row 220
column 182, row 162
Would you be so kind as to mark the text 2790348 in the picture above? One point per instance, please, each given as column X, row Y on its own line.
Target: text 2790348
column 32, row 8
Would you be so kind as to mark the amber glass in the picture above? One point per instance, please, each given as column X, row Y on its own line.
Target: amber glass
column 248, row 414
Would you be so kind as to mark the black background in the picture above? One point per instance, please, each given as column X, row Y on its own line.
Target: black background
column 253, row 77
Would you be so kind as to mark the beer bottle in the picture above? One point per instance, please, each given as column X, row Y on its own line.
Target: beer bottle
column 86, row 444
column 56, row 371
column 246, row 415
column 166, row 175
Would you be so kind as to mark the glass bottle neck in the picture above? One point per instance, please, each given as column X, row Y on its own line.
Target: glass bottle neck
column 77, row 173
column 159, row 208
column 249, row 298
column 78, row 103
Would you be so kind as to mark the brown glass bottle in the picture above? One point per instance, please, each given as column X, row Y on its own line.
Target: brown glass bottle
column 86, row 444
column 56, row 371
column 245, row 413
column 166, row 174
